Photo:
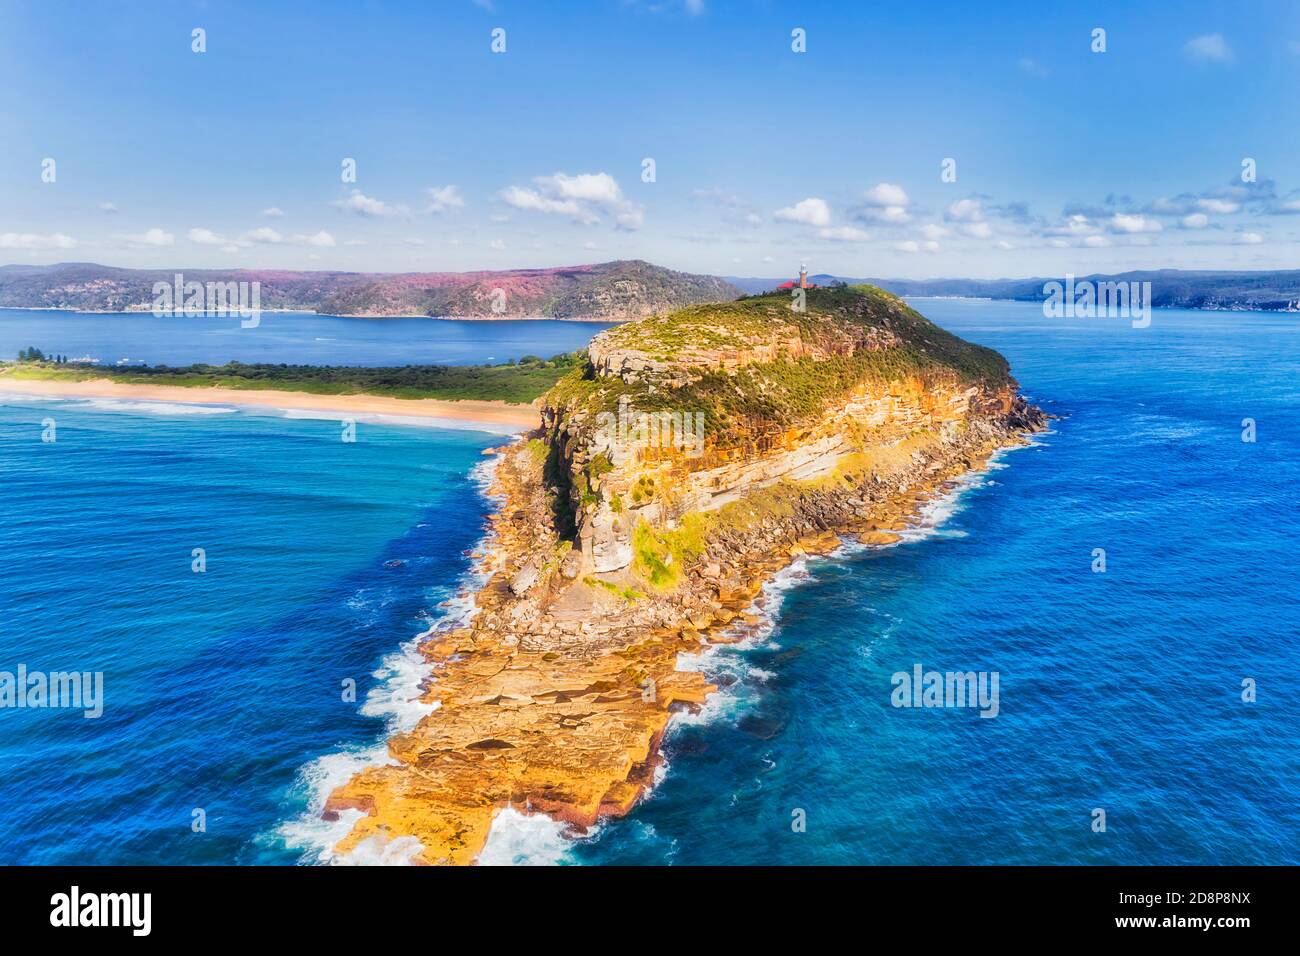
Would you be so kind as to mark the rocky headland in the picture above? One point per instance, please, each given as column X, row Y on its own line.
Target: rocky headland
column 692, row 456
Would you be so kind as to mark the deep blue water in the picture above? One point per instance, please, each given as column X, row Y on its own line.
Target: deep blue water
column 302, row 338
column 1119, row 690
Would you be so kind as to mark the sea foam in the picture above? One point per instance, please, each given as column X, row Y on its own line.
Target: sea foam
column 396, row 697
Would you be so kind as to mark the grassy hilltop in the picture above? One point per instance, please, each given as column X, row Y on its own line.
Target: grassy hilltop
column 755, row 363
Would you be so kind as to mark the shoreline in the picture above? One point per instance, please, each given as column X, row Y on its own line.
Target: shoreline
column 498, row 414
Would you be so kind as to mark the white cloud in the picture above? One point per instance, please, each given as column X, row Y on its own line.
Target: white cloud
column 364, row 205
column 274, row 212
column 442, row 198
column 931, row 246
column 909, row 246
column 1096, row 242
column 585, row 198
column 845, row 234
column 887, row 194
column 884, row 202
column 585, row 187
column 1032, row 67
column 263, row 234
column 976, row 230
column 631, row 218
column 1076, row 225
column 1210, row 48
column 1196, row 220
column 933, row 231
column 31, row 240
column 1170, row 207
column 811, row 211
column 497, row 244
column 965, row 210
column 150, row 237
column 1004, row 245
column 896, row 215
column 206, row 237
column 108, row 207
column 1133, row 223
column 1221, row 206
column 1250, row 238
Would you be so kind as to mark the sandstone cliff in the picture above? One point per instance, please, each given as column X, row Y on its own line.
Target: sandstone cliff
column 690, row 458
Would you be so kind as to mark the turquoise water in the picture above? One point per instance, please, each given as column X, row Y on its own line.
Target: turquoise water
column 223, row 688
column 302, row 338
column 1119, row 690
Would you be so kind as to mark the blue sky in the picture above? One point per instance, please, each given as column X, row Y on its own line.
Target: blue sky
column 1066, row 159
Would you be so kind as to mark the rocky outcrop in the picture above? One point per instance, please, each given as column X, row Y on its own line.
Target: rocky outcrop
column 607, row 562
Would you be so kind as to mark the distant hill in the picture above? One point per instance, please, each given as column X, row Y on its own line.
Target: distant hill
column 1267, row 291
column 610, row 290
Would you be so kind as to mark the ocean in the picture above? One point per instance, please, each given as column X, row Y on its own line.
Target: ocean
column 1120, row 690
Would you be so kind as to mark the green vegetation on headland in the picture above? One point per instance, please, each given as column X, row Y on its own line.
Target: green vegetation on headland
column 847, row 336
column 518, row 383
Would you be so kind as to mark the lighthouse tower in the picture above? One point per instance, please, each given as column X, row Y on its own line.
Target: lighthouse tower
column 803, row 276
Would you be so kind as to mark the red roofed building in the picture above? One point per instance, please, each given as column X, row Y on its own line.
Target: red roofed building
column 802, row 283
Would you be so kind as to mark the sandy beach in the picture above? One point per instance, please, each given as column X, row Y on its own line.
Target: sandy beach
column 522, row 417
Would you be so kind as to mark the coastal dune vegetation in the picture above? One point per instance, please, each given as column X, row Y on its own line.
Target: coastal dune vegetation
column 518, row 382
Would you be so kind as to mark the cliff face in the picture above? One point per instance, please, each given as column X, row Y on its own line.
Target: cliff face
column 687, row 414
column 691, row 458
